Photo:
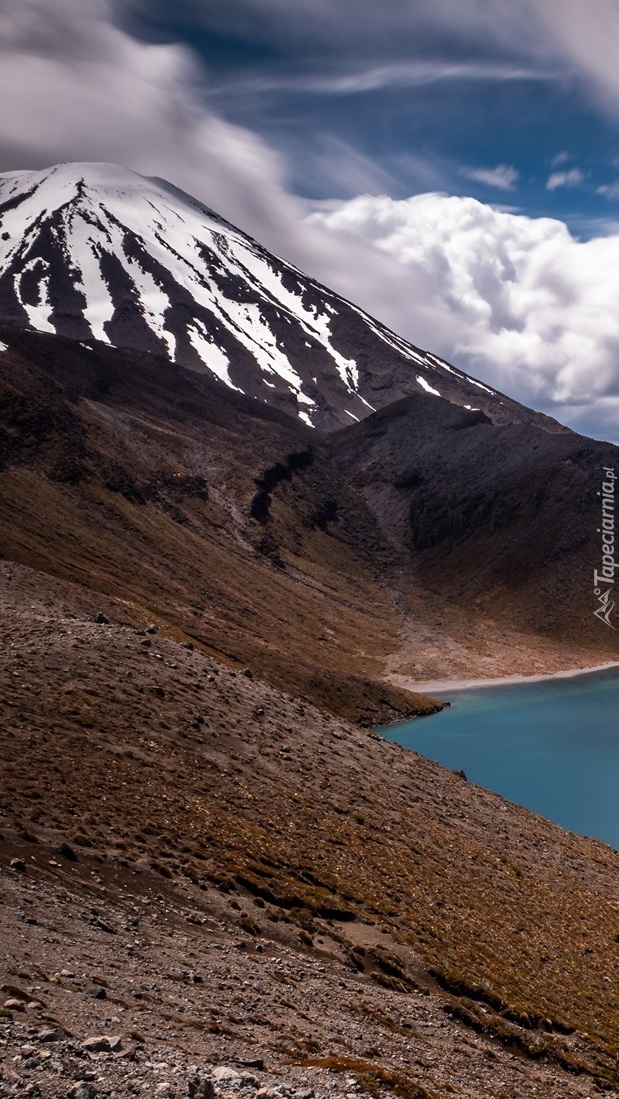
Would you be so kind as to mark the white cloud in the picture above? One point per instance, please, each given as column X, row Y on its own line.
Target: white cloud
column 350, row 79
column 515, row 300
column 586, row 34
column 82, row 89
column 609, row 190
column 573, row 177
column 504, row 177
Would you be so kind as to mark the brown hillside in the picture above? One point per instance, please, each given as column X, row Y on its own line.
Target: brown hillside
column 418, row 542
column 251, row 881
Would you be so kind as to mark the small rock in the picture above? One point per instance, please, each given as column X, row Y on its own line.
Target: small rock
column 14, row 1005
column 146, row 643
column 67, row 852
column 152, row 628
column 192, row 978
column 187, row 645
column 82, row 1090
column 224, row 1072
column 164, row 1090
column 200, row 1088
column 247, row 672
column 98, row 993
column 27, row 1051
column 103, row 926
column 49, row 1034
column 102, row 619
column 126, row 1054
column 102, row 1044
column 17, row 864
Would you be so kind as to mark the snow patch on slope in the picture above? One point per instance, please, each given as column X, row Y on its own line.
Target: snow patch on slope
column 38, row 315
column 425, row 385
column 88, row 245
column 154, row 304
column 212, row 356
column 176, row 262
column 480, row 386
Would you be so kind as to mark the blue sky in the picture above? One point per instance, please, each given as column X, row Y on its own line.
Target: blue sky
column 450, row 165
column 404, row 99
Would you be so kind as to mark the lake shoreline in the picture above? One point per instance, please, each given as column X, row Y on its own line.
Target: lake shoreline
column 550, row 746
column 437, row 685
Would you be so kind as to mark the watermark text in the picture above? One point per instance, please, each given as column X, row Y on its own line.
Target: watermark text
column 604, row 578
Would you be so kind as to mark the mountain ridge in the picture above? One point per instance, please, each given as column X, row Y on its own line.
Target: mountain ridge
column 94, row 251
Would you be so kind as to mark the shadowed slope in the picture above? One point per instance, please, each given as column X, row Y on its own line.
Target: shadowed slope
column 500, row 521
column 139, row 483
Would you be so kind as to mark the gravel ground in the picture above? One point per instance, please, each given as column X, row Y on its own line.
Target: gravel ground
column 125, row 973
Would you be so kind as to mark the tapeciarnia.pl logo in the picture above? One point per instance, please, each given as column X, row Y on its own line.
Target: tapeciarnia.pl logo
column 603, row 581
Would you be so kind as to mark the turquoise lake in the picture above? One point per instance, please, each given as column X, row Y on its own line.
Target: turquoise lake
column 552, row 746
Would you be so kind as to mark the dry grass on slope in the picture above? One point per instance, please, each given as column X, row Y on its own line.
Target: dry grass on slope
column 207, row 776
column 137, row 480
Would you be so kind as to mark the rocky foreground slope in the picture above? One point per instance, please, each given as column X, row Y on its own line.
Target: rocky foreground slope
column 219, row 882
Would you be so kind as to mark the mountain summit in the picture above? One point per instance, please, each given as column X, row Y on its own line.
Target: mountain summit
column 95, row 252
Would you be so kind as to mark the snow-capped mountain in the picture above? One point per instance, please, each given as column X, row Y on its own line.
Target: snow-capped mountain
column 95, row 252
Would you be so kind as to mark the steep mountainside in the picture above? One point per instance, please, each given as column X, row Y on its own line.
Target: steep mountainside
column 94, row 251
column 147, row 482
column 499, row 520
column 420, row 541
